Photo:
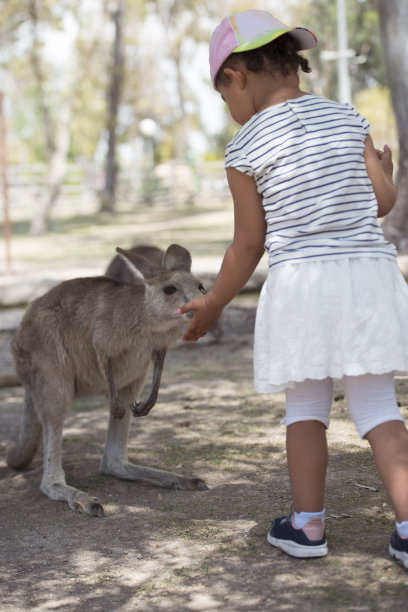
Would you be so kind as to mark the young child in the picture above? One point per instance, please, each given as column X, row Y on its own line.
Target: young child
column 307, row 185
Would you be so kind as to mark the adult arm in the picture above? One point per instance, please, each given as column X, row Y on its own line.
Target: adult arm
column 240, row 259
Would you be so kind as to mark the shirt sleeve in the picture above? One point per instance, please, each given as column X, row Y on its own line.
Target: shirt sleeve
column 236, row 157
column 363, row 121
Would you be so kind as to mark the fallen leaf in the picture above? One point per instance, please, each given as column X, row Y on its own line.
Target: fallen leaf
column 365, row 487
column 338, row 516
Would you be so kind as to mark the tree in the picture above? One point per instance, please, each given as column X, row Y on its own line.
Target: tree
column 108, row 193
column 56, row 134
column 56, row 126
column 46, row 98
column 186, row 23
column 394, row 25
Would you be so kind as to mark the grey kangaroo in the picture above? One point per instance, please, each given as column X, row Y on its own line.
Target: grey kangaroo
column 89, row 336
column 149, row 260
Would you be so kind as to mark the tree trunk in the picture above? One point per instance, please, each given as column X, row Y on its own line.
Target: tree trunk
column 37, row 67
column 57, row 133
column 394, row 27
column 181, row 141
column 57, row 168
column 108, row 194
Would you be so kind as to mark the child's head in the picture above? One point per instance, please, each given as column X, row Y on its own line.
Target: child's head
column 279, row 55
column 261, row 42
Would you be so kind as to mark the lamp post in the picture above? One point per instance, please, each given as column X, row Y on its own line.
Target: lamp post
column 342, row 55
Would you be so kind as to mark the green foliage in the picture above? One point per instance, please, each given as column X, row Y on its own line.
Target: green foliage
column 37, row 87
column 155, row 81
column 320, row 16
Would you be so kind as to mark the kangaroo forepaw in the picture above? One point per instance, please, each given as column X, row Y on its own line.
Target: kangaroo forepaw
column 139, row 409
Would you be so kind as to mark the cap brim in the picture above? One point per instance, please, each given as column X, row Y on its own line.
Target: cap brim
column 305, row 38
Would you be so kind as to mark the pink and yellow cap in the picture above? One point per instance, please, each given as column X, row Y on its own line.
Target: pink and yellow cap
column 249, row 30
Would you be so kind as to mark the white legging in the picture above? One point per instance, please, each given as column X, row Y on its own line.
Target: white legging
column 370, row 398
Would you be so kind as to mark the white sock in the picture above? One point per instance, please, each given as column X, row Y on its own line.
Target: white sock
column 402, row 529
column 302, row 518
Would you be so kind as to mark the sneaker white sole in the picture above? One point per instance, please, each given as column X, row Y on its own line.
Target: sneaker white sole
column 299, row 550
column 398, row 554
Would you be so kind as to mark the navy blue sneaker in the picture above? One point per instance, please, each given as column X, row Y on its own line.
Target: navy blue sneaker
column 303, row 543
column 398, row 548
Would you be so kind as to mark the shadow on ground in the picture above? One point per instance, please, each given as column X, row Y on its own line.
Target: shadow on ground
column 159, row 550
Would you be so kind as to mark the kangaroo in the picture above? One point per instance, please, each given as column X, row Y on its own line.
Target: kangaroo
column 89, row 336
column 149, row 260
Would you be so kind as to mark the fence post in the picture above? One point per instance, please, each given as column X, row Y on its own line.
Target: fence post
column 3, row 170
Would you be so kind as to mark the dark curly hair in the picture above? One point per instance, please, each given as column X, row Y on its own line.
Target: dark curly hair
column 281, row 54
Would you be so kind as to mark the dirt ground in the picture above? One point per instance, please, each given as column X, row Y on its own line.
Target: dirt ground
column 158, row 550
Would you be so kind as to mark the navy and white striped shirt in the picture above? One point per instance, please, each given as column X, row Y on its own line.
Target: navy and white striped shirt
column 306, row 156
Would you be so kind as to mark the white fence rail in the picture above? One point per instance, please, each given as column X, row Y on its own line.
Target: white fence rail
column 171, row 183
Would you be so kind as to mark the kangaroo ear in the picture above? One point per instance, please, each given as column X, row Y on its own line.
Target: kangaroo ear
column 177, row 258
column 132, row 260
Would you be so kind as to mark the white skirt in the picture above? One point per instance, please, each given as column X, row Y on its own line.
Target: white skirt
column 322, row 319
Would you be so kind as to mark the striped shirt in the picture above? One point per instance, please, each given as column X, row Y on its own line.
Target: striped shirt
column 306, row 156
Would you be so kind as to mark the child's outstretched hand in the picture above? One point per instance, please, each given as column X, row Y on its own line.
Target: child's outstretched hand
column 205, row 315
column 385, row 158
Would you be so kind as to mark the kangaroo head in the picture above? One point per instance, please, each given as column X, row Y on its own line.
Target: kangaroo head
column 167, row 288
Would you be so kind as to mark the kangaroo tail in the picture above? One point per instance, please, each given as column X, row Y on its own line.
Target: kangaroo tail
column 20, row 453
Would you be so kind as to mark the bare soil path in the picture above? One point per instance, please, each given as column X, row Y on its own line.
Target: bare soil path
column 159, row 550
column 164, row 550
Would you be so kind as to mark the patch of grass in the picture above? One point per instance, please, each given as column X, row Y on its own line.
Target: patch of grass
column 208, row 569
column 183, row 571
column 148, row 589
column 237, row 546
column 230, row 453
column 101, row 577
column 184, row 526
column 165, row 585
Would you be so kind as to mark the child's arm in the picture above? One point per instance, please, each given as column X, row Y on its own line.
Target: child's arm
column 379, row 168
column 240, row 259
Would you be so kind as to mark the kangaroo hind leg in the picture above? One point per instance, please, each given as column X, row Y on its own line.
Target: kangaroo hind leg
column 53, row 483
column 21, row 452
column 115, row 458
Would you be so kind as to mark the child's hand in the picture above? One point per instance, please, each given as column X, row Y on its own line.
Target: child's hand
column 385, row 158
column 205, row 315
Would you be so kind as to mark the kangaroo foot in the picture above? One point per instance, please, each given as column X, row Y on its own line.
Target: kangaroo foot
column 160, row 478
column 77, row 500
column 199, row 484
column 92, row 508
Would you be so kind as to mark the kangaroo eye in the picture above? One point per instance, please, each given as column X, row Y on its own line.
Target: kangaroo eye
column 202, row 288
column 170, row 289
